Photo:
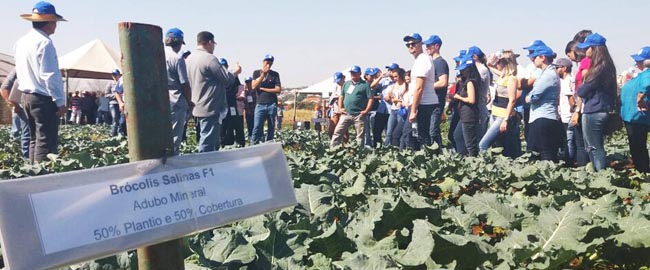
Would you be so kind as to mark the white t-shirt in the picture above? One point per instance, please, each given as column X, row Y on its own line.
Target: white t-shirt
column 423, row 67
column 566, row 90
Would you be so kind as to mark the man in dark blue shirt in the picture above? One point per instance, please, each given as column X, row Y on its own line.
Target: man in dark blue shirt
column 266, row 83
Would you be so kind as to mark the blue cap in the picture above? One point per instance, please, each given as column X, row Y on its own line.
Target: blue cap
column 433, row 39
column 643, row 54
column 542, row 50
column 338, row 76
column 223, row 61
column 248, row 79
column 175, row 33
column 414, row 36
column 592, row 40
column 269, row 57
column 461, row 53
column 535, row 44
column 465, row 61
column 116, row 72
column 371, row 71
column 355, row 69
column 392, row 66
column 475, row 51
column 43, row 12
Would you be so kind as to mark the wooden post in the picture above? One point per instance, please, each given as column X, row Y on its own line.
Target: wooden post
column 148, row 118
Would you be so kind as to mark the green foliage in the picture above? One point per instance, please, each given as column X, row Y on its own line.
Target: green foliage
column 432, row 209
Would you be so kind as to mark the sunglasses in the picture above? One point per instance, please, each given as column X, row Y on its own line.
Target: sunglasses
column 411, row 44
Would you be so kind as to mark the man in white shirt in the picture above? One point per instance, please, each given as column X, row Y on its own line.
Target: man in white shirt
column 178, row 86
column 424, row 95
column 37, row 68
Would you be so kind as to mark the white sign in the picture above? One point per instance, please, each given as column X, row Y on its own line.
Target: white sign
column 91, row 213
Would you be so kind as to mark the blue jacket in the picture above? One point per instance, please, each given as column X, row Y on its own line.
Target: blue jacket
column 629, row 111
column 597, row 97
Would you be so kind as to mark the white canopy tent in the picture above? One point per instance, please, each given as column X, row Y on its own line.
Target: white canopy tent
column 325, row 87
column 94, row 60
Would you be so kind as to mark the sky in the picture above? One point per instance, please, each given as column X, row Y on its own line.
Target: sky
column 312, row 39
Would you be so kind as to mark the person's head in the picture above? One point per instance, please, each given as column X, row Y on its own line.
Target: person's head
column 44, row 17
column 507, row 64
column 407, row 76
column 433, row 44
column 116, row 74
column 413, row 43
column 249, row 82
column 460, row 56
column 542, row 56
column 467, row 69
column 339, row 78
column 205, row 40
column 268, row 60
column 582, row 35
column 398, row 75
column 592, row 41
column 642, row 57
column 223, row 62
column 477, row 54
column 570, row 50
column 392, row 67
column 563, row 66
column 174, row 38
column 369, row 74
column 602, row 65
column 355, row 73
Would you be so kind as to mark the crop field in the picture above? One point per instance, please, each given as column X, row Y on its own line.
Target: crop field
column 386, row 209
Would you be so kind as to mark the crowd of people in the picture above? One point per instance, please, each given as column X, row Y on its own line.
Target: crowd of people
column 565, row 105
column 199, row 84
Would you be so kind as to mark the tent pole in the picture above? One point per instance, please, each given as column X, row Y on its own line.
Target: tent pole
column 67, row 90
column 295, row 100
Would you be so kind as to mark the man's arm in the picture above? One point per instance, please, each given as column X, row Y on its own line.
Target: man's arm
column 417, row 95
column 275, row 90
column 443, row 81
column 51, row 75
column 7, row 85
column 443, row 75
column 341, row 97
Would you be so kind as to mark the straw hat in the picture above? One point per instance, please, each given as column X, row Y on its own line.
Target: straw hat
column 43, row 12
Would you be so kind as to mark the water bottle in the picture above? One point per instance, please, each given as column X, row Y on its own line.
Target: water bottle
column 414, row 129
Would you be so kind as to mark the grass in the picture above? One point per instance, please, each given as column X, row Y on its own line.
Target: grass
column 301, row 115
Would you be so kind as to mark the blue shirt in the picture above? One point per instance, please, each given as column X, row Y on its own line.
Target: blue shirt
column 629, row 111
column 544, row 96
column 384, row 84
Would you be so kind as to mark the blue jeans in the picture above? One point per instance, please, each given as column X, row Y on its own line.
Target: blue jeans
column 592, row 127
column 20, row 130
column 119, row 121
column 394, row 129
column 178, row 116
column 509, row 139
column 570, row 145
column 210, row 133
column 436, row 119
column 264, row 112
